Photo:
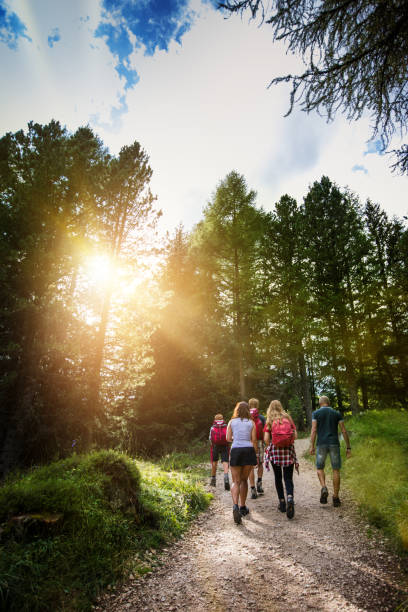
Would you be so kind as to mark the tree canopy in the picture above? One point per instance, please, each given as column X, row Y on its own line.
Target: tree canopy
column 356, row 54
column 306, row 298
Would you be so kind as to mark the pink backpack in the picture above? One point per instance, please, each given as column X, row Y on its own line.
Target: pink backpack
column 219, row 433
column 283, row 433
column 258, row 423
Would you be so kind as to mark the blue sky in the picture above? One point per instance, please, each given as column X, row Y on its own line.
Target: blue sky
column 191, row 87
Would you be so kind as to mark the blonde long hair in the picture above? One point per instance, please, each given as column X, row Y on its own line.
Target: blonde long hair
column 276, row 413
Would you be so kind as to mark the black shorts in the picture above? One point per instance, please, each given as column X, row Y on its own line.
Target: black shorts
column 220, row 451
column 243, row 456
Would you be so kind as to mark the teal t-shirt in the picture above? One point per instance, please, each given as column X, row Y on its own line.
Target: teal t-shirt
column 327, row 425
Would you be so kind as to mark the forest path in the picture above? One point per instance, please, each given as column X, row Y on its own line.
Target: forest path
column 319, row 560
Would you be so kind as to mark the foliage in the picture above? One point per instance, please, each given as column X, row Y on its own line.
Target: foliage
column 355, row 53
column 380, row 440
column 114, row 510
column 64, row 201
column 306, row 298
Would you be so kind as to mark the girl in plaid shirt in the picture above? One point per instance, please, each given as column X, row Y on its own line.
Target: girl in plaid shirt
column 282, row 459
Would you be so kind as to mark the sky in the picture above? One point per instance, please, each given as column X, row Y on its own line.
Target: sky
column 191, row 86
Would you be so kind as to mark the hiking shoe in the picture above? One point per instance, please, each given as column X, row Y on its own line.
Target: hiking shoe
column 237, row 515
column 336, row 502
column 244, row 510
column 254, row 494
column 324, row 494
column 282, row 505
column 290, row 509
column 213, row 481
column 259, row 488
column 226, row 485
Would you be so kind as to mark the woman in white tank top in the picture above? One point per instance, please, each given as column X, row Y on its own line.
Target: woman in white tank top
column 242, row 433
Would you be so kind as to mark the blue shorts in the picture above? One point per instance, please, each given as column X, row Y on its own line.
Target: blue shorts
column 321, row 454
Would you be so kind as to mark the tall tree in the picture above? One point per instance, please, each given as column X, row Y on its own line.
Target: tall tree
column 125, row 210
column 336, row 245
column 288, row 311
column 228, row 239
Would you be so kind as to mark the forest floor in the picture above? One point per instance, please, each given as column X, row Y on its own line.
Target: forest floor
column 322, row 559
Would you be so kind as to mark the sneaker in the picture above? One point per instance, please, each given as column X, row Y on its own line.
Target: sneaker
column 336, row 502
column 282, row 505
column 244, row 510
column 254, row 494
column 259, row 487
column 226, row 485
column 213, row 481
column 290, row 509
column 236, row 514
column 324, row 494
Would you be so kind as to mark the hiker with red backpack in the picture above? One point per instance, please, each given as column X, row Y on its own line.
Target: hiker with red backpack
column 219, row 449
column 260, row 422
column 280, row 434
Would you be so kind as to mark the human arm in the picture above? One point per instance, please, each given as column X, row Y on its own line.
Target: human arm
column 295, row 435
column 267, row 436
column 313, row 434
column 254, row 440
column 295, row 460
column 229, row 432
column 346, row 439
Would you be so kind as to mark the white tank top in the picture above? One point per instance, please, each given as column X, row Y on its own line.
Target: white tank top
column 241, row 432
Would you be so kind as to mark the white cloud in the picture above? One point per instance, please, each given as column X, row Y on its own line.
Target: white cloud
column 199, row 110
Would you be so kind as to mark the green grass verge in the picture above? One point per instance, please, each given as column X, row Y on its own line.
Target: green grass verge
column 377, row 472
column 94, row 519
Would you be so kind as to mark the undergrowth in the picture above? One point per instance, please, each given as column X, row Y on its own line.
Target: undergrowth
column 108, row 512
column 377, row 472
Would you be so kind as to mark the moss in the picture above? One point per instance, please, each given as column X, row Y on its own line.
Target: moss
column 113, row 508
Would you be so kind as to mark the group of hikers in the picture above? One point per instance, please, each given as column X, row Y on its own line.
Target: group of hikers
column 249, row 442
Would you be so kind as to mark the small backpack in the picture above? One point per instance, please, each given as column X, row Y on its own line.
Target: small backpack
column 219, row 433
column 283, row 433
column 258, row 423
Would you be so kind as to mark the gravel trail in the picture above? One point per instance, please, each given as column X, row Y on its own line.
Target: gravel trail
column 319, row 560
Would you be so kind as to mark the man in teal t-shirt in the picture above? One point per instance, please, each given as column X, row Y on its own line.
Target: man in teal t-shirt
column 325, row 424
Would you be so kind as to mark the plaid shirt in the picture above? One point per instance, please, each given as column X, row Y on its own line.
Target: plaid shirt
column 280, row 456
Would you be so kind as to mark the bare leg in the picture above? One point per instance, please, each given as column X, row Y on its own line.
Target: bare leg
column 252, row 477
column 336, row 483
column 243, row 487
column 260, row 470
column 225, row 465
column 236, row 473
column 322, row 477
column 214, row 468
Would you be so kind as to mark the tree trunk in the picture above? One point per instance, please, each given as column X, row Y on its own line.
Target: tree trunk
column 305, row 387
column 238, row 327
column 334, row 363
column 350, row 371
column 362, row 380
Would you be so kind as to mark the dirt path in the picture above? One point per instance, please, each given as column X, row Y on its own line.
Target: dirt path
column 320, row 560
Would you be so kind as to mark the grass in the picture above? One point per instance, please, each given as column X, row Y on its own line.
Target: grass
column 94, row 519
column 377, row 472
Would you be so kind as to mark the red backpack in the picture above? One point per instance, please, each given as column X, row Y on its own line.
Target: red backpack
column 283, row 433
column 219, row 433
column 258, row 423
